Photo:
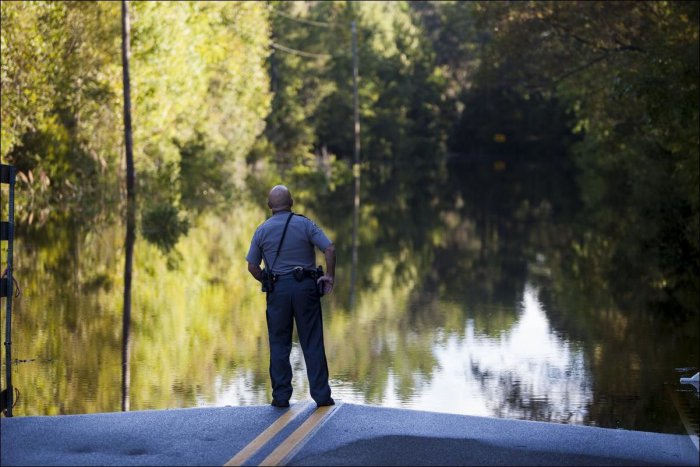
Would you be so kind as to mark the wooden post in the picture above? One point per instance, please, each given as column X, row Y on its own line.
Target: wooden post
column 130, row 207
column 355, row 168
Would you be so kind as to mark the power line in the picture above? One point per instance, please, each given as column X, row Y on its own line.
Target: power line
column 298, row 52
column 301, row 53
column 304, row 21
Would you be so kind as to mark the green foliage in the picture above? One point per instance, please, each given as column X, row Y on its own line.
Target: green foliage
column 197, row 78
column 629, row 73
column 26, row 88
column 198, row 75
column 58, row 107
column 162, row 226
column 217, row 110
column 310, row 131
column 205, row 175
column 200, row 96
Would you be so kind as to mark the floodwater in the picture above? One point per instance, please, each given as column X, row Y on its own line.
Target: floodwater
column 456, row 310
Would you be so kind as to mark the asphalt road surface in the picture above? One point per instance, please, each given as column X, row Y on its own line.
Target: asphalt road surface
column 344, row 434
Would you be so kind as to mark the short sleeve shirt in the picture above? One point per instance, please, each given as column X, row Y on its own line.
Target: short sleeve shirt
column 298, row 246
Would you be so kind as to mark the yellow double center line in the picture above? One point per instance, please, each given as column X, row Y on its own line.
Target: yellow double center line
column 289, row 446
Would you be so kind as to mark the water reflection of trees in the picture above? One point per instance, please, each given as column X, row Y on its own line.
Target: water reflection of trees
column 188, row 323
column 440, row 289
column 477, row 241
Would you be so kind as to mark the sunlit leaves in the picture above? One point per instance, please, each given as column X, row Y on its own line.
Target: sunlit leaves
column 28, row 61
column 197, row 68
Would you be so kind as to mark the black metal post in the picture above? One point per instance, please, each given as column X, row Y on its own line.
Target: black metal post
column 8, row 176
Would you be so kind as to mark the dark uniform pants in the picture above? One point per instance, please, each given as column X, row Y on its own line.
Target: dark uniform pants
column 298, row 301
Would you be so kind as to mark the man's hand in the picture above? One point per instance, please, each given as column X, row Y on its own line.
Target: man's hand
column 329, row 277
column 327, row 283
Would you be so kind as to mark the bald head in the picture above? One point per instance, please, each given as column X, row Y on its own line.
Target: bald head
column 279, row 199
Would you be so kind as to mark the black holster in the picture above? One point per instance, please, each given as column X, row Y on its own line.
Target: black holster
column 268, row 281
column 319, row 287
column 300, row 274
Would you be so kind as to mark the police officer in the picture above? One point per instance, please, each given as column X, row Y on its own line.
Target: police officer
column 295, row 294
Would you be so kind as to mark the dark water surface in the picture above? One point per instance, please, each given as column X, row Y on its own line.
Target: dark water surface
column 463, row 305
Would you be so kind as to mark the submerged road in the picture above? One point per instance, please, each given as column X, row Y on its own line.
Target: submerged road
column 345, row 434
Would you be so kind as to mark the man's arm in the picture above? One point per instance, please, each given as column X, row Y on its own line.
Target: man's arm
column 330, row 261
column 329, row 277
column 255, row 271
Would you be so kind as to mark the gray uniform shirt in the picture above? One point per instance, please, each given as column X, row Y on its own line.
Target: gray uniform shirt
column 298, row 246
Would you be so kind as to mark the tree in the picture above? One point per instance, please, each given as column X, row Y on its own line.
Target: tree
column 629, row 72
column 197, row 73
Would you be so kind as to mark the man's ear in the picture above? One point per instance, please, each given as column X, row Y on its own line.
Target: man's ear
column 291, row 202
column 268, row 204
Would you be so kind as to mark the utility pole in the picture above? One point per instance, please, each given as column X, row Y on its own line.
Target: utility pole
column 130, row 207
column 355, row 168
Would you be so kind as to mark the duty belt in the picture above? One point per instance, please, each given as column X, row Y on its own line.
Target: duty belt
column 299, row 273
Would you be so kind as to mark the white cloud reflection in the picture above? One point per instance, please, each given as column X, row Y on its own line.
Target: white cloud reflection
column 527, row 372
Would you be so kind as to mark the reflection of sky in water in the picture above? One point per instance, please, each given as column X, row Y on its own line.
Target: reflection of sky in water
column 238, row 389
column 527, row 372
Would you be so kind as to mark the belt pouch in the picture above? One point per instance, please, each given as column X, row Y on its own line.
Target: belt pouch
column 299, row 273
